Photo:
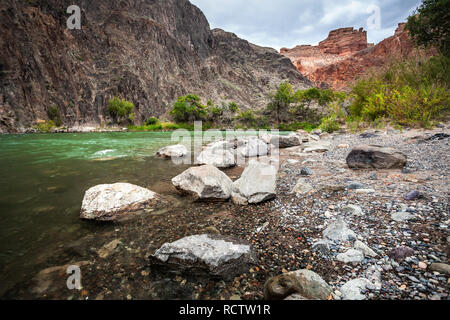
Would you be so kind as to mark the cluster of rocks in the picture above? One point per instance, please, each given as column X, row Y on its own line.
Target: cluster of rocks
column 369, row 235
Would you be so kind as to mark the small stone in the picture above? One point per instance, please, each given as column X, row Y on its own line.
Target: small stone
column 413, row 195
column 351, row 256
column 360, row 246
column 400, row 253
column 352, row 209
column 403, row 216
column 306, row 171
column 422, row 265
column 355, row 186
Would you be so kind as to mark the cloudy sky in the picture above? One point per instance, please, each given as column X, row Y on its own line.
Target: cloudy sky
column 287, row 23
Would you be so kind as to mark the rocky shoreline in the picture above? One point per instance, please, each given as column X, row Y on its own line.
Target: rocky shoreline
column 360, row 234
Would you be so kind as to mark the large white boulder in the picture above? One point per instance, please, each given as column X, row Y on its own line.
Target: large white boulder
column 176, row 151
column 220, row 158
column 256, row 184
column 110, row 202
column 204, row 183
column 253, row 147
column 214, row 254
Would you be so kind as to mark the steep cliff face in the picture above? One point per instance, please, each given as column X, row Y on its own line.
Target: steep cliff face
column 147, row 51
column 345, row 55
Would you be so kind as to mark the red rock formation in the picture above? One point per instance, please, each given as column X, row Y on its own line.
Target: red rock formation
column 337, row 61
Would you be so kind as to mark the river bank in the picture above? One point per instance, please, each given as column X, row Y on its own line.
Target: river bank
column 282, row 231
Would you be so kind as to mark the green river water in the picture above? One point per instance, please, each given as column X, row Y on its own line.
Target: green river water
column 43, row 178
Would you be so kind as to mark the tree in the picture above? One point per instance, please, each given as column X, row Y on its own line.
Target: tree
column 430, row 25
column 188, row 109
column 120, row 109
column 281, row 100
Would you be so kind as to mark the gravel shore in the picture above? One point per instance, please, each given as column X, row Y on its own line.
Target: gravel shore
column 373, row 204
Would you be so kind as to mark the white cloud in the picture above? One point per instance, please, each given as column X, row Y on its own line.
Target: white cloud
column 287, row 23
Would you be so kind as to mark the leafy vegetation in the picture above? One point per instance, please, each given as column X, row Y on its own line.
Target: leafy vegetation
column 188, row 109
column 121, row 109
column 45, row 126
column 54, row 115
column 430, row 25
column 413, row 92
column 151, row 121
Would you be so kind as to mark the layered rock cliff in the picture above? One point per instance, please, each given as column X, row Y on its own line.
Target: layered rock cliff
column 345, row 55
column 147, row 51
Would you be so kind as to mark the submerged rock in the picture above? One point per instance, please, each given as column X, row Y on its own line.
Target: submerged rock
column 305, row 283
column 256, row 184
column 204, row 183
column 53, row 279
column 375, row 157
column 176, row 151
column 214, row 255
column 112, row 202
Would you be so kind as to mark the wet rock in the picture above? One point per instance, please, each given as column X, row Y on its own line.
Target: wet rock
column 219, row 158
column 440, row 267
column 375, row 157
column 351, row 256
column 400, row 253
column 215, row 255
column 116, row 202
column 364, row 248
column 305, row 283
column 176, row 151
column 204, row 183
column 256, row 184
column 338, row 231
column 352, row 290
column 53, row 279
column 107, row 249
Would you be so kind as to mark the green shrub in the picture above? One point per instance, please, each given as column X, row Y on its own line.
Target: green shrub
column 307, row 126
column 411, row 92
column 151, row 121
column 120, row 109
column 54, row 115
column 330, row 124
column 45, row 126
column 188, row 109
